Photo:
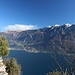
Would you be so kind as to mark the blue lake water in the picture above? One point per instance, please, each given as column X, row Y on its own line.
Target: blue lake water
column 37, row 63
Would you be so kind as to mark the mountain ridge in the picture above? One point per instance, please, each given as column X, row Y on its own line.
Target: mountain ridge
column 59, row 39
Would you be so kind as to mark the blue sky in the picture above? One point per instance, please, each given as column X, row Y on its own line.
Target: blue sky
column 33, row 14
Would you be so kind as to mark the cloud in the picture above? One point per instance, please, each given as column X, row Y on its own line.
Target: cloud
column 56, row 25
column 20, row 27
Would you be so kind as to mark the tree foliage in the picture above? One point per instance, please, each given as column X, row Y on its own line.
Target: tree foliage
column 58, row 73
column 54, row 73
column 3, row 46
column 12, row 67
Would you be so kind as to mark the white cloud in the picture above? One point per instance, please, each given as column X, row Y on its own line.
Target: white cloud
column 20, row 27
column 49, row 26
column 56, row 25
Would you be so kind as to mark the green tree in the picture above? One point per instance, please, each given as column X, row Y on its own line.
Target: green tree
column 3, row 46
column 12, row 67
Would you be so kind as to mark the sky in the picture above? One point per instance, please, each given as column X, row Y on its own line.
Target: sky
column 34, row 14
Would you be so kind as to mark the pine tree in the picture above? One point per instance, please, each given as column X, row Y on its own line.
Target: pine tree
column 3, row 46
column 13, row 68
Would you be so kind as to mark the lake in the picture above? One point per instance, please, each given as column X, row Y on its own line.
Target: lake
column 38, row 63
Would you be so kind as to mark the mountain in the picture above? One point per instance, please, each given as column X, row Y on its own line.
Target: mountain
column 59, row 39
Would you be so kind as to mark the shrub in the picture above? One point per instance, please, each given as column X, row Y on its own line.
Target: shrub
column 12, row 67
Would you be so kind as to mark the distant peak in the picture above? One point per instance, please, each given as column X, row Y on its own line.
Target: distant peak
column 56, row 25
column 68, row 24
column 10, row 31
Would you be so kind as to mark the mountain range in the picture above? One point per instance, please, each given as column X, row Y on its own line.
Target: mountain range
column 58, row 39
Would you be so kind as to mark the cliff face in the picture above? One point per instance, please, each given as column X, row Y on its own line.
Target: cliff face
column 2, row 67
column 51, row 39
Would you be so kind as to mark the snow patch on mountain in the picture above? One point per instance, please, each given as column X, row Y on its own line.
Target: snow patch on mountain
column 68, row 25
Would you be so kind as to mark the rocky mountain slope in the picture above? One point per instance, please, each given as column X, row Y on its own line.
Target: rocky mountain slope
column 59, row 39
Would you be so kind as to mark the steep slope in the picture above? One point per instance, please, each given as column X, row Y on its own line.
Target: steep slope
column 60, row 39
